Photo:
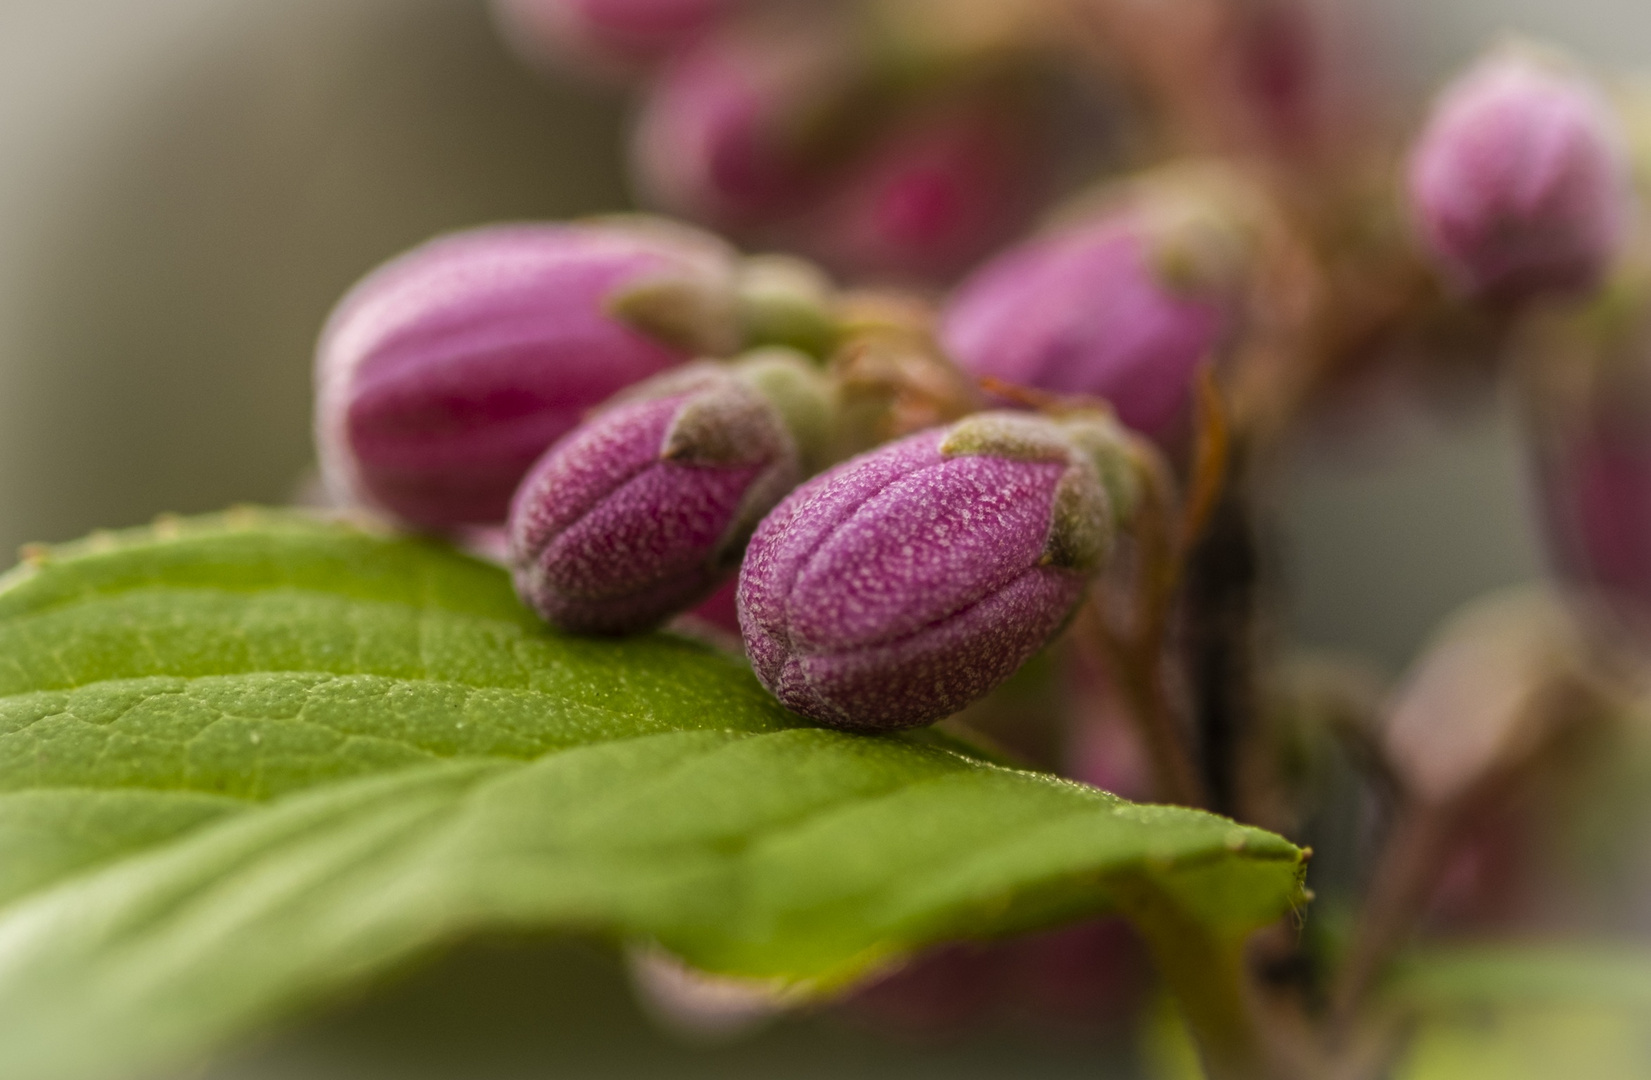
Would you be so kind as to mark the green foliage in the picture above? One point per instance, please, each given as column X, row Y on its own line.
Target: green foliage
column 249, row 761
column 1615, row 975
column 1512, row 1012
column 1529, row 1044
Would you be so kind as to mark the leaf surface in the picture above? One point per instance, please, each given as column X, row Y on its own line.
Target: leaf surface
column 249, row 761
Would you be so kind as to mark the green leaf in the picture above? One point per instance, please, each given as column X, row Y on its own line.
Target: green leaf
column 1525, row 1012
column 1529, row 1044
column 1613, row 975
column 250, row 761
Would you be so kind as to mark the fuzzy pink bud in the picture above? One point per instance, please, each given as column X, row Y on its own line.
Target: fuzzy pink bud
column 1520, row 183
column 642, row 511
column 443, row 375
column 904, row 584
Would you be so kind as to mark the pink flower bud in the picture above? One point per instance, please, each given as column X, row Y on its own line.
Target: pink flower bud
column 615, row 35
column 1520, row 185
column 933, row 194
column 1276, row 54
column 639, row 513
column 443, row 375
column 1600, row 497
column 727, row 132
column 1088, row 310
column 1594, row 469
column 902, row 585
column 1587, row 386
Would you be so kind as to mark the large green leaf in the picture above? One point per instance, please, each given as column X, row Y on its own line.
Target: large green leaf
column 250, row 760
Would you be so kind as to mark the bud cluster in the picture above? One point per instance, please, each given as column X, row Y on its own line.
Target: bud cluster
column 644, row 413
column 632, row 401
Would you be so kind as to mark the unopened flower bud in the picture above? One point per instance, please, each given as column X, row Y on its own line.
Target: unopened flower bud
column 1597, row 486
column 1520, row 183
column 443, row 375
column 640, row 512
column 730, row 130
column 1587, row 390
column 1123, row 304
column 904, row 584
column 605, row 35
column 932, row 194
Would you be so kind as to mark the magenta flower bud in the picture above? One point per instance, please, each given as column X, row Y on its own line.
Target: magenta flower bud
column 443, row 375
column 1593, row 417
column 1600, row 504
column 642, row 511
column 606, row 35
column 1520, row 183
column 932, row 195
column 1586, row 385
column 728, row 132
column 904, row 584
column 1091, row 309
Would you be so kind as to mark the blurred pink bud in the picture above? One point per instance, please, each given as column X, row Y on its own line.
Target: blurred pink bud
column 444, row 374
column 1587, row 387
column 1088, row 310
column 1598, row 493
column 1488, row 880
column 1278, row 54
column 1520, row 184
column 720, row 611
column 622, row 35
column 726, row 130
column 932, row 195
column 1104, row 748
column 639, row 513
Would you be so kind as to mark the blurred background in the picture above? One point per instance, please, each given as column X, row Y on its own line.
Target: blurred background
column 186, row 186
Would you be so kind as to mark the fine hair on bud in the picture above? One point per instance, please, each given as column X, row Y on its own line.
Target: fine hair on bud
column 905, row 583
column 640, row 513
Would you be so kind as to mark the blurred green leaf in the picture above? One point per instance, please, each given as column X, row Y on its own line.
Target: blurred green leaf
column 1526, row 1012
column 252, row 760
column 1530, row 1044
column 1615, row 975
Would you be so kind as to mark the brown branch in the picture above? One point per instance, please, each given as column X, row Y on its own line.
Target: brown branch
column 1136, row 667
